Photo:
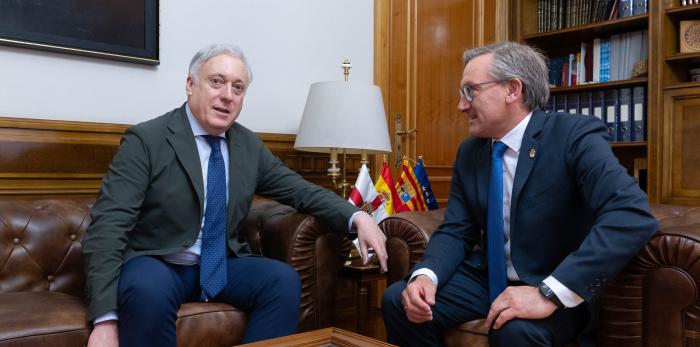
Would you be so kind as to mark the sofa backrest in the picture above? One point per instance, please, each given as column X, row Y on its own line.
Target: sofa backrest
column 40, row 247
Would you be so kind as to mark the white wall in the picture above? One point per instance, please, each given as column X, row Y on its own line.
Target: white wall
column 289, row 44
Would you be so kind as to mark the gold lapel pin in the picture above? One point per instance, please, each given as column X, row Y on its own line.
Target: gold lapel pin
column 532, row 153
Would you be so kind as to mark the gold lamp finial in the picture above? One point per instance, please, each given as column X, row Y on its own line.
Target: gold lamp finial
column 346, row 68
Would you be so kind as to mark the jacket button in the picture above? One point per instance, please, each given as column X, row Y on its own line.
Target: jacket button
column 73, row 237
column 15, row 240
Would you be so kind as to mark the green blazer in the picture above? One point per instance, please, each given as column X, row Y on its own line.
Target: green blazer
column 152, row 199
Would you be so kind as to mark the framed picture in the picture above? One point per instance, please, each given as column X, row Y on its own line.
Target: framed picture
column 113, row 29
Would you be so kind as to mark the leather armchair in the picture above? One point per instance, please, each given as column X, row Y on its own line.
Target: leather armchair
column 42, row 273
column 654, row 301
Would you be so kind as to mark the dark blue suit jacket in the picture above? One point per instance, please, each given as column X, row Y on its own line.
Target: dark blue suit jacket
column 576, row 214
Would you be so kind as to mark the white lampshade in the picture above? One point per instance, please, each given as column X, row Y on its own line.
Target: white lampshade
column 343, row 115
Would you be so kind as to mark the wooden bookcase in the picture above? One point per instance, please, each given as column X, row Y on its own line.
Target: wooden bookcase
column 672, row 149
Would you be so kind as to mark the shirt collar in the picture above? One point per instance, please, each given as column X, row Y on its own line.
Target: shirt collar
column 197, row 129
column 514, row 138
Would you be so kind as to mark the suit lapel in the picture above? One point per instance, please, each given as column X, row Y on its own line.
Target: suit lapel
column 235, row 173
column 483, row 170
column 183, row 143
column 526, row 159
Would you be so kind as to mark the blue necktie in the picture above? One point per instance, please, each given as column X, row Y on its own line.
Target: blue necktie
column 494, row 228
column 212, row 271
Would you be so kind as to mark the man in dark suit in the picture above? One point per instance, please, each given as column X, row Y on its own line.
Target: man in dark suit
column 541, row 216
column 166, row 225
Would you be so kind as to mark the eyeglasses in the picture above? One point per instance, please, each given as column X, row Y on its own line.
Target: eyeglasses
column 467, row 90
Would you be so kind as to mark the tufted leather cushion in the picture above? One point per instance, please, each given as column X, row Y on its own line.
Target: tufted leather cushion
column 211, row 324
column 40, row 246
column 42, row 318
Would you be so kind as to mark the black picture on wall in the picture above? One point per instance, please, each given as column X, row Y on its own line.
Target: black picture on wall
column 114, row 29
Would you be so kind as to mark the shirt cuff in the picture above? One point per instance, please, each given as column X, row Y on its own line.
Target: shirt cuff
column 352, row 229
column 565, row 295
column 110, row 315
column 427, row 272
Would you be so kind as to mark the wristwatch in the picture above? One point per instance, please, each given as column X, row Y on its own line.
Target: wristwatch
column 548, row 293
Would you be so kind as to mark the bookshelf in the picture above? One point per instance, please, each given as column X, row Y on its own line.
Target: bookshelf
column 676, row 137
column 672, row 105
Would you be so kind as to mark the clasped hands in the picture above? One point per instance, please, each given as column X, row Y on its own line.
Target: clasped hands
column 515, row 302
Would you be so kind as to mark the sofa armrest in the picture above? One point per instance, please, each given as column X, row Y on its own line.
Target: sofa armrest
column 407, row 236
column 313, row 249
column 654, row 300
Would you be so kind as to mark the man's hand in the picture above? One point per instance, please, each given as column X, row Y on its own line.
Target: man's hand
column 519, row 302
column 418, row 297
column 104, row 334
column 370, row 237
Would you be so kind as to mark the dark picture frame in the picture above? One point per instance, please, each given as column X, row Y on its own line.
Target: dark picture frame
column 124, row 30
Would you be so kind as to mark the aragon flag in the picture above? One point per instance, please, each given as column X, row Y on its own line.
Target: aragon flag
column 424, row 183
column 365, row 197
column 408, row 189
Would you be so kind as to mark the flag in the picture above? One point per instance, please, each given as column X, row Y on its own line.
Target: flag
column 385, row 188
column 424, row 183
column 408, row 189
column 365, row 197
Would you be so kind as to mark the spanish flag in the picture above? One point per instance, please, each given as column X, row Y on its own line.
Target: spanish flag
column 409, row 190
column 385, row 189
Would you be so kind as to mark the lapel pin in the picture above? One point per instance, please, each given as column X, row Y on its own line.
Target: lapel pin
column 532, row 153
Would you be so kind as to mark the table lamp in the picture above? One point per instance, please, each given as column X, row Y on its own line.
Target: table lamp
column 343, row 117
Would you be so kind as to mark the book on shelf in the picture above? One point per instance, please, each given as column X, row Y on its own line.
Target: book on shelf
column 611, row 113
column 639, row 116
column 624, row 125
column 604, row 59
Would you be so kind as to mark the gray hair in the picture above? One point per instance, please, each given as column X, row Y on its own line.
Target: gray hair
column 214, row 50
column 516, row 61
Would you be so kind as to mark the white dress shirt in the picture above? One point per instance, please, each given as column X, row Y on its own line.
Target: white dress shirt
column 513, row 140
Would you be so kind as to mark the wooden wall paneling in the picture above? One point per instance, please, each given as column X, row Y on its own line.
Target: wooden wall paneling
column 55, row 157
column 680, row 157
column 63, row 158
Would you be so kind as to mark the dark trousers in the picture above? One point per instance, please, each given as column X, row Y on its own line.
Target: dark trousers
column 151, row 292
column 465, row 297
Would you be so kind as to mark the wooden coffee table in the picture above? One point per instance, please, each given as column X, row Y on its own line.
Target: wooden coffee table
column 329, row 337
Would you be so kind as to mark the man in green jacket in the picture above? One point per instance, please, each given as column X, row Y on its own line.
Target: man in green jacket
column 174, row 198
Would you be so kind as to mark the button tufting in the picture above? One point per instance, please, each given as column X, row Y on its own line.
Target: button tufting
column 15, row 241
column 50, row 278
column 72, row 237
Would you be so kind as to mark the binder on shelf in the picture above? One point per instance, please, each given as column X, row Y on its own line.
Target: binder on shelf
column 624, row 125
column 584, row 102
column 597, row 103
column 611, row 108
column 639, row 113
column 551, row 102
column 560, row 103
column 572, row 103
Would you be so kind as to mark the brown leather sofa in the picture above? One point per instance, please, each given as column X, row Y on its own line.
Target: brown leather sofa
column 654, row 301
column 42, row 273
